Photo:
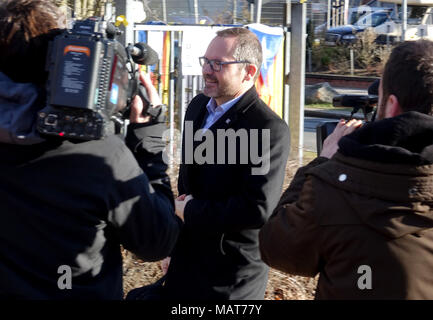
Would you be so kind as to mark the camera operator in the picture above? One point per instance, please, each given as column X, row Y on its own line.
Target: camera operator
column 360, row 214
column 67, row 206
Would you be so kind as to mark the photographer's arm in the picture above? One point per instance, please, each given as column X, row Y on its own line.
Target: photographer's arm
column 144, row 135
column 149, row 227
column 290, row 239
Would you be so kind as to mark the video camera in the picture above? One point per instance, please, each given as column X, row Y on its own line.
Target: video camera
column 92, row 81
column 366, row 103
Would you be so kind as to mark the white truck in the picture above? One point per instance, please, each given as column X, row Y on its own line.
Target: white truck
column 387, row 23
column 419, row 22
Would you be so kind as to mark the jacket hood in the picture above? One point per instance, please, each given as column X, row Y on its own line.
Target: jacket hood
column 386, row 169
column 19, row 104
column 405, row 139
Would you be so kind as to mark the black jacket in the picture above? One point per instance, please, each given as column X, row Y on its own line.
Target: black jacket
column 73, row 204
column 217, row 255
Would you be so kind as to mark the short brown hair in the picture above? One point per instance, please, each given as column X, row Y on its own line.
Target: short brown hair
column 248, row 46
column 26, row 26
column 408, row 75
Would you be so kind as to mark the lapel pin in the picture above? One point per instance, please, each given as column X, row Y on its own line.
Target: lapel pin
column 228, row 121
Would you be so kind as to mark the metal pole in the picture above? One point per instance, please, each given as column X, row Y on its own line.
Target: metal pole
column 352, row 62
column 196, row 11
column 120, row 6
column 328, row 19
column 235, row 11
column 334, row 17
column 160, row 73
column 287, row 33
column 123, row 7
column 198, row 85
column 171, row 98
column 108, row 11
column 189, row 89
column 404, row 27
column 164, row 10
column 346, row 12
column 258, row 11
column 194, row 85
column 182, row 102
column 297, row 79
column 312, row 22
column 182, row 87
column 251, row 12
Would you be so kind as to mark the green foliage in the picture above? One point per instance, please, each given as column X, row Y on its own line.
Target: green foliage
column 330, row 58
column 369, row 56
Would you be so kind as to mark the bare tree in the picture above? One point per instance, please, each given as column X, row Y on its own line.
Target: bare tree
column 77, row 8
column 84, row 8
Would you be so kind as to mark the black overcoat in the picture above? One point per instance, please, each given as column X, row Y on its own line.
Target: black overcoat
column 217, row 255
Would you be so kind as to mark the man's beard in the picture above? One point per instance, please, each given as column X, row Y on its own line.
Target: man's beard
column 217, row 89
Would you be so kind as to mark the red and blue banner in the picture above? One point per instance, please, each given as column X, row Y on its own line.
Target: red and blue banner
column 270, row 82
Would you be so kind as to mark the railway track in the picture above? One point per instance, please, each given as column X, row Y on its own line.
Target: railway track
column 340, row 81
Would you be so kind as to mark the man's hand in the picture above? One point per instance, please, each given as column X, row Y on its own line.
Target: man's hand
column 165, row 263
column 137, row 105
column 330, row 145
column 152, row 93
column 180, row 203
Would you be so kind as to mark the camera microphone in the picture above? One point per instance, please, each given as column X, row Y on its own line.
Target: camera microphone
column 143, row 54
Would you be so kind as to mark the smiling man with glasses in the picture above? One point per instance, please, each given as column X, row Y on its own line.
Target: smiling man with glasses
column 224, row 205
column 217, row 65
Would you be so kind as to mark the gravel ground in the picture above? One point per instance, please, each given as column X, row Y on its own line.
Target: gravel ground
column 280, row 286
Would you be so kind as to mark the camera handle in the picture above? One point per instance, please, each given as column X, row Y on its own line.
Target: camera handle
column 142, row 93
column 138, row 88
column 155, row 112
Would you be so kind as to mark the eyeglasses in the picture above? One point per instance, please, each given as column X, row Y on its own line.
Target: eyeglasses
column 216, row 65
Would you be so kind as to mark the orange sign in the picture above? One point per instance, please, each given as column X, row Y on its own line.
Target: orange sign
column 71, row 48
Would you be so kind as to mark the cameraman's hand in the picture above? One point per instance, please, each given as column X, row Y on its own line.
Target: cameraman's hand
column 136, row 115
column 180, row 204
column 152, row 94
column 137, row 106
column 165, row 264
column 330, row 145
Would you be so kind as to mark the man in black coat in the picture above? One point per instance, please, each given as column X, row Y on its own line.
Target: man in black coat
column 235, row 149
column 67, row 205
